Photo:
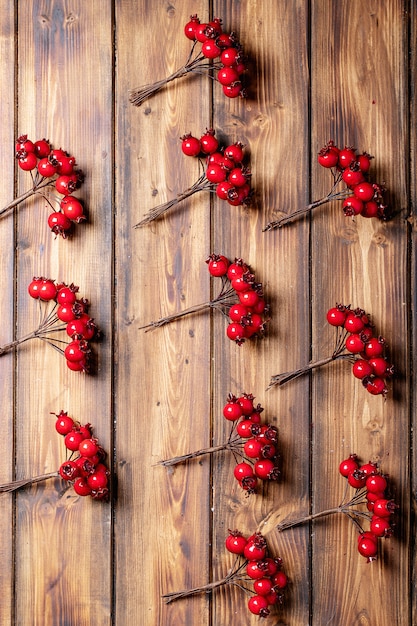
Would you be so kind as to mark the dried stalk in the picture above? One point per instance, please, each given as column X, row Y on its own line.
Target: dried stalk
column 232, row 578
column 18, row 484
column 344, row 193
column 197, row 65
column 232, row 445
column 202, row 184
column 225, row 299
column 280, row 379
column 45, row 182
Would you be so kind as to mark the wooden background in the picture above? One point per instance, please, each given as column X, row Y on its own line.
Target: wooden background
column 340, row 69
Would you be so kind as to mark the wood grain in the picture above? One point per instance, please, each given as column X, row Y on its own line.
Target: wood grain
column 317, row 71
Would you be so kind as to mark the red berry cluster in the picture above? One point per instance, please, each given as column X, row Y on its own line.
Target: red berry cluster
column 265, row 572
column 371, row 365
column 54, row 167
column 372, row 485
column 224, row 166
column 85, row 467
column 260, row 450
column 247, row 314
column 73, row 312
column 225, row 47
column 366, row 198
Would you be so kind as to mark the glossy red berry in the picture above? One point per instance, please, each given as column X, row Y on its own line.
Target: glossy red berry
column 243, row 470
column 190, row 145
column 72, row 208
column 328, row 156
column 235, row 542
column 217, row 265
column 27, row 161
column 208, row 141
column 73, row 439
column 346, row 157
column 42, row 148
column 336, row 315
column 258, row 605
column 81, row 487
column 235, row 152
column 361, row 369
column 64, row 423
column 189, row 28
column 375, row 386
column 348, row 465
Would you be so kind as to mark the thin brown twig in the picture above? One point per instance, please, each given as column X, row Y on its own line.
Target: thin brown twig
column 18, row 484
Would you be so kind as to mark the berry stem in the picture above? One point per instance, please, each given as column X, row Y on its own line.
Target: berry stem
column 232, row 445
column 232, row 578
column 202, row 184
column 198, row 64
column 300, row 212
column 225, row 299
column 47, row 326
column 281, row 379
column 18, row 484
column 44, row 182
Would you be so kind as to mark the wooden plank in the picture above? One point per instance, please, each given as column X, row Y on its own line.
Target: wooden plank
column 63, row 548
column 412, row 16
column 7, row 268
column 359, row 90
column 162, row 377
column 275, row 112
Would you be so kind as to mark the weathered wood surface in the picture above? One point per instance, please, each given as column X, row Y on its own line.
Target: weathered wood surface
column 318, row 71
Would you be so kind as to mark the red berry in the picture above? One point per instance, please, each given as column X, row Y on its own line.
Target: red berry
column 377, row 482
column 243, row 470
column 64, row 423
column 73, row 439
column 59, row 223
column 263, row 586
column 246, row 403
column 375, row 386
column 97, row 480
column 88, row 447
column 354, row 343
column 46, row 168
column 81, row 487
column 42, row 148
column 224, row 189
column 352, row 206
column 352, row 176
column 232, row 410
column 328, row 156
column 258, row 605
column 368, row 546
column 234, row 152
column 265, row 469
column 47, row 290
column 28, row 161
column 253, row 448
column 210, row 49
column 23, row 144
column 336, row 316
column 215, row 173
column 356, row 479
column 354, row 322
column 72, row 208
column 235, row 542
column 348, row 465
column 208, row 141
column 69, row 470
column 364, row 161
column 235, row 332
column 280, row 580
column 229, row 56
column 237, row 312
column 227, row 76
column 76, row 350
column 254, row 570
column 380, row 526
column 364, row 191
column 346, row 157
column 380, row 366
column 190, row 145
column 217, row 265
column 189, row 28
column 384, row 507
column 361, row 369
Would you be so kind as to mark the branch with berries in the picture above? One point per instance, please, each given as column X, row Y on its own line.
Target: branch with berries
column 224, row 173
column 50, row 169
column 370, row 503
column 253, row 445
column 240, row 299
column 61, row 310
column 360, row 195
column 214, row 52
column 255, row 572
column 357, row 343
column 84, row 468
